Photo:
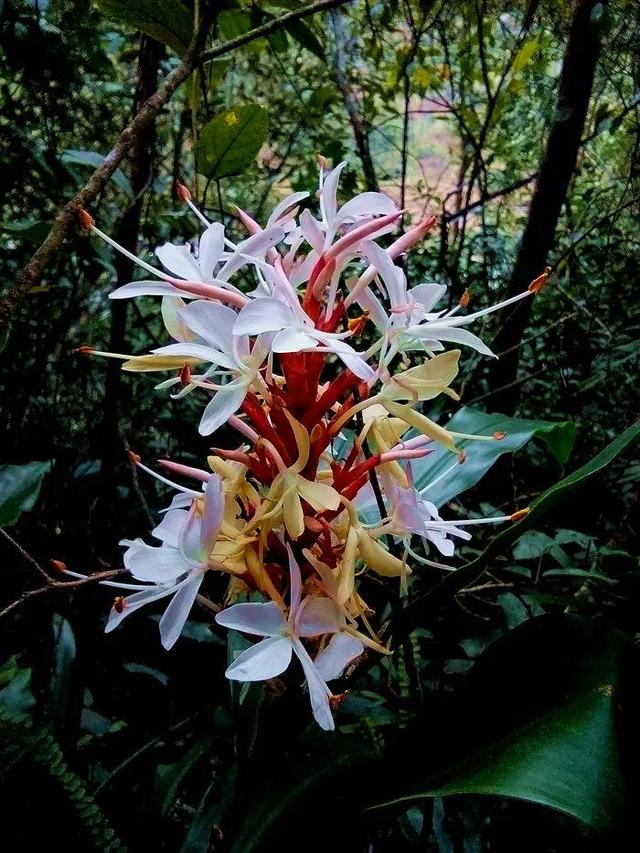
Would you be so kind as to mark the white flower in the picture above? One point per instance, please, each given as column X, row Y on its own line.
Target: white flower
column 176, row 568
column 310, row 617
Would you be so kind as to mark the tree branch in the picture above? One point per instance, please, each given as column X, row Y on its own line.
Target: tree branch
column 66, row 219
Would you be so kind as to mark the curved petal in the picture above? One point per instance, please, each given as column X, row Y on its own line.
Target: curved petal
column 293, row 340
column 179, row 261
column 134, row 602
column 254, row 248
column 318, row 616
column 213, row 513
column 252, row 617
column 157, row 565
column 264, row 314
column 329, row 192
column 285, row 205
column 210, row 249
column 318, row 691
column 428, row 295
column 312, row 231
column 144, row 288
column 333, row 659
column 225, row 403
column 171, row 306
column 451, row 334
column 177, row 612
column 170, row 527
column 200, row 351
column 266, row 659
column 320, row 496
column 212, row 322
column 365, row 204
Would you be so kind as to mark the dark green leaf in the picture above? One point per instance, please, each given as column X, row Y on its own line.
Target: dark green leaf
column 91, row 158
column 167, row 21
column 413, row 615
column 19, row 489
column 550, row 691
column 481, row 455
column 305, row 37
column 64, row 653
column 231, row 140
column 169, row 777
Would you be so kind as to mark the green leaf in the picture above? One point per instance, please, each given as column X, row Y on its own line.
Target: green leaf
column 414, row 615
column 167, row 21
column 305, row 37
column 214, row 803
column 481, row 455
column 34, row 230
column 548, row 694
column 169, row 777
column 64, row 654
column 231, row 140
column 91, row 158
column 525, row 55
column 19, row 489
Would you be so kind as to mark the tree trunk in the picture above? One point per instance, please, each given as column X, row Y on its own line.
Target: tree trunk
column 556, row 170
column 149, row 57
column 352, row 107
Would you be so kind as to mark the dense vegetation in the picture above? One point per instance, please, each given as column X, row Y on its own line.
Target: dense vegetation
column 517, row 125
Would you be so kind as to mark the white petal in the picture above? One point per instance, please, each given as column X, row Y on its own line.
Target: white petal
column 264, row 314
column 283, row 206
column 318, row 616
column 158, row 565
column 329, row 190
column 365, row 204
column 190, row 540
column 301, row 270
column 428, row 295
column 353, row 360
column 293, row 340
column 225, row 403
column 133, row 602
column 144, row 288
column 171, row 306
column 393, row 277
column 295, row 580
column 179, row 261
column 211, row 322
column 318, row 691
column 176, row 614
column 213, row 513
column 252, row 617
column 200, row 351
column 266, row 659
column 255, row 247
column 332, row 660
column 171, row 525
column 312, row 231
column 210, row 249
column 431, row 331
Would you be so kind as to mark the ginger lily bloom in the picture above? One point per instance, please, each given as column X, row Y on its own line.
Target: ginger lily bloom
column 308, row 617
column 286, row 379
column 176, row 568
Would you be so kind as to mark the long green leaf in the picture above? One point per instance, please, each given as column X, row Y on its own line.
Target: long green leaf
column 481, row 455
column 90, row 158
column 412, row 616
column 550, row 694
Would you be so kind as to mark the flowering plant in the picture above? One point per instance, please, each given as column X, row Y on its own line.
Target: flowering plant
column 328, row 428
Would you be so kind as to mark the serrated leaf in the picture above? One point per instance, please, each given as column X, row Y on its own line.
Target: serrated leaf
column 19, row 489
column 91, row 158
column 231, row 141
column 167, row 21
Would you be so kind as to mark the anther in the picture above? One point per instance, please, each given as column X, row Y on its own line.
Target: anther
column 185, row 376
column 84, row 350
column 86, row 220
column 520, row 514
column 133, row 457
column 118, row 604
column 498, row 436
column 357, row 324
column 538, row 283
column 182, row 192
column 58, row 565
column 465, row 299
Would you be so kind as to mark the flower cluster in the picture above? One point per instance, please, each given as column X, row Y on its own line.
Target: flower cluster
column 323, row 419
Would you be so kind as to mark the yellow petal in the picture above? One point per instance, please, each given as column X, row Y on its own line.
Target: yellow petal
column 421, row 423
column 302, row 440
column 425, row 381
column 320, row 495
column 347, row 570
column 379, row 559
column 148, row 363
column 292, row 514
